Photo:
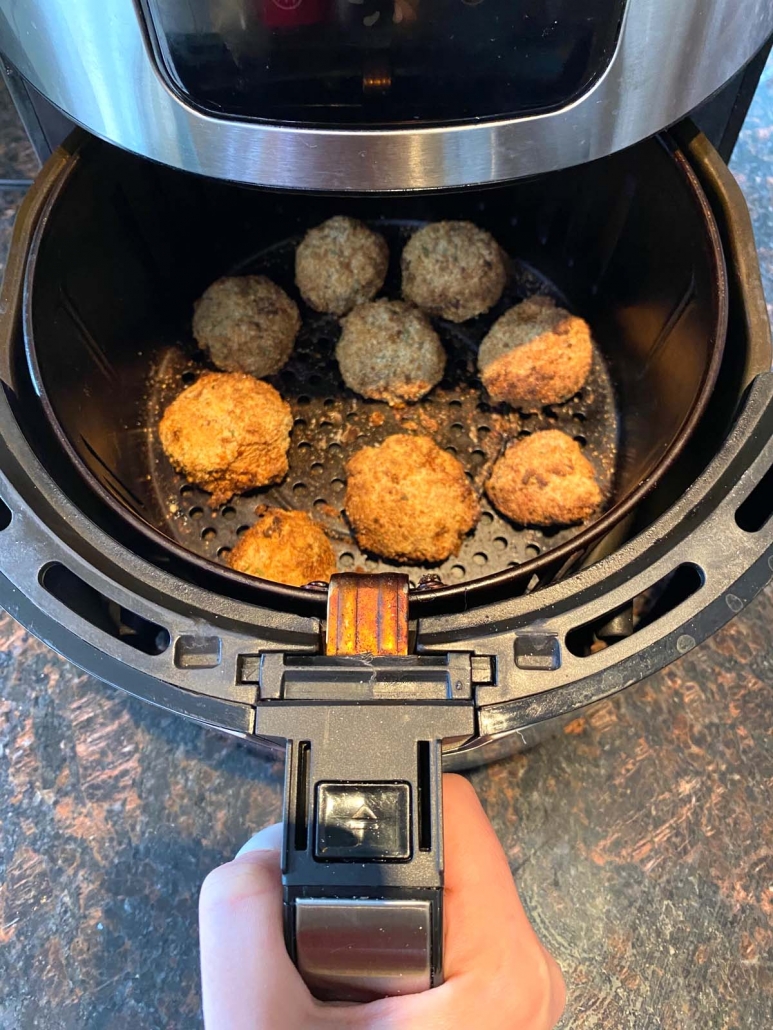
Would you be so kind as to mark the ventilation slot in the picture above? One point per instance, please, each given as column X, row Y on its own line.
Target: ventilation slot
column 103, row 613
column 424, row 798
column 301, row 834
column 755, row 511
column 652, row 604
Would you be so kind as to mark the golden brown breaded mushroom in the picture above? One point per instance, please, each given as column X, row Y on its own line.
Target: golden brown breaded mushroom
column 408, row 500
column 228, row 433
column 285, row 547
column 535, row 354
column 453, row 269
column 544, row 480
column 340, row 264
column 388, row 351
column 246, row 323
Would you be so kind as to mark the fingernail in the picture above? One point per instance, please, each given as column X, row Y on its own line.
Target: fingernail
column 267, row 839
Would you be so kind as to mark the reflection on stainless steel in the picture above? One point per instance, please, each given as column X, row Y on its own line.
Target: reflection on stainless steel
column 93, row 61
column 359, row 950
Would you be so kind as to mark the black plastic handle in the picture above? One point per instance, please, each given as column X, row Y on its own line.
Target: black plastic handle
column 362, row 861
column 363, row 849
column 363, row 869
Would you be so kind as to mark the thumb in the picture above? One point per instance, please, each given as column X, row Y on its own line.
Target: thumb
column 267, row 839
column 248, row 979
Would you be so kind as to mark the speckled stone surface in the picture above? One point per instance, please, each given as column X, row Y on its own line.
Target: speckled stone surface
column 18, row 160
column 640, row 838
column 752, row 163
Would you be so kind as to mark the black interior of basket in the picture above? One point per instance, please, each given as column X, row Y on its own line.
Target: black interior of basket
column 128, row 246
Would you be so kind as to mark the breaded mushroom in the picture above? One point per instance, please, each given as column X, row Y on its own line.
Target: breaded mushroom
column 408, row 500
column 535, row 354
column 228, row 433
column 388, row 351
column 544, row 480
column 246, row 323
column 285, row 547
column 453, row 269
column 340, row 264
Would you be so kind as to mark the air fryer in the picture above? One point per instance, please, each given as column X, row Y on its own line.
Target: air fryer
column 236, row 135
column 121, row 565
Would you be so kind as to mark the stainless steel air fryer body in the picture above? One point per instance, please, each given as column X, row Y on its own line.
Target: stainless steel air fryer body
column 380, row 95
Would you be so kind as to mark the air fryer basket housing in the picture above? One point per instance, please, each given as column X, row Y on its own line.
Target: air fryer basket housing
column 101, row 589
column 83, row 566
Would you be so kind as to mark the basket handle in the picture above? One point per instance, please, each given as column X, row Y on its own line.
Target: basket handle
column 362, row 858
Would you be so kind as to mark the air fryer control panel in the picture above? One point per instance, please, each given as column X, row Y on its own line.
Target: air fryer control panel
column 385, row 62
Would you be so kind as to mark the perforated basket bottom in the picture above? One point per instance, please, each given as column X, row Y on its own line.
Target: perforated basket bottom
column 331, row 423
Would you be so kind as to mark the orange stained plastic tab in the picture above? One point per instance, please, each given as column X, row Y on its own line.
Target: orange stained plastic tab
column 367, row 614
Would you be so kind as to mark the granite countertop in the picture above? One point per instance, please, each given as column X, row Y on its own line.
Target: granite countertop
column 640, row 837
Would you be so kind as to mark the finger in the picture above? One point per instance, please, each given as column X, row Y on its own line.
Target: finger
column 267, row 839
column 498, row 974
column 248, row 979
column 480, row 893
column 487, row 932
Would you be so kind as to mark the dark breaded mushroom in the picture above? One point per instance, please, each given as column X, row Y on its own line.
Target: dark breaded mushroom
column 535, row 354
column 246, row 323
column 544, row 480
column 340, row 264
column 408, row 500
column 453, row 269
column 388, row 351
column 285, row 547
column 228, row 433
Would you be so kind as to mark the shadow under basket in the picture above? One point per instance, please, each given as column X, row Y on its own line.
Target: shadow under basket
column 125, row 247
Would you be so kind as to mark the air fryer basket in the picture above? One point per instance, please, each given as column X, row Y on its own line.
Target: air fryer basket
column 628, row 242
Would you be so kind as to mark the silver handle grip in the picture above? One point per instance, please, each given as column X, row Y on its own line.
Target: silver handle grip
column 357, row 950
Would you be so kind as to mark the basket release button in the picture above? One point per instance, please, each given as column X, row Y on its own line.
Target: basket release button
column 363, row 822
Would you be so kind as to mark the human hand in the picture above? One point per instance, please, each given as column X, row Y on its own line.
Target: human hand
column 498, row 975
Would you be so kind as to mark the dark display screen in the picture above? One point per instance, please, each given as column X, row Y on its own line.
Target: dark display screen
column 384, row 62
